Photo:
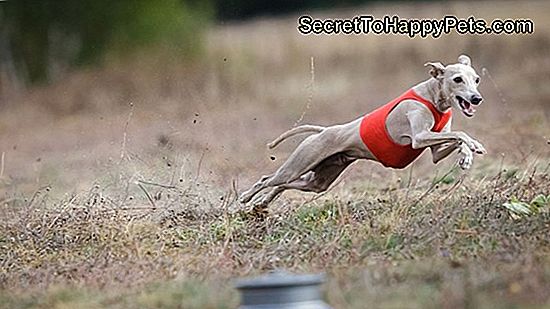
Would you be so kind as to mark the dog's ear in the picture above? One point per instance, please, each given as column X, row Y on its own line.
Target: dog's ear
column 437, row 69
column 465, row 60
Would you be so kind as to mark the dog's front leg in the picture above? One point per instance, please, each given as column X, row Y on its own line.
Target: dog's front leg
column 421, row 135
column 466, row 157
column 440, row 152
column 428, row 138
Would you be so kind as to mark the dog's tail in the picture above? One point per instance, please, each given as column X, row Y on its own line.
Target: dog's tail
column 298, row 130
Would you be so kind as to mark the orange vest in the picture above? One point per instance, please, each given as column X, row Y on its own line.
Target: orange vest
column 375, row 136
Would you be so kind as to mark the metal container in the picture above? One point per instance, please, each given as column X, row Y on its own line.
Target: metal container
column 278, row 290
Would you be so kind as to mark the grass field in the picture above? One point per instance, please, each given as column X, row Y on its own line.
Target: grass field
column 118, row 185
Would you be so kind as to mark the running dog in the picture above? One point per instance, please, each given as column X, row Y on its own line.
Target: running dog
column 395, row 134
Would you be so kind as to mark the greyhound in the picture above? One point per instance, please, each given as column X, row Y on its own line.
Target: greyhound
column 394, row 135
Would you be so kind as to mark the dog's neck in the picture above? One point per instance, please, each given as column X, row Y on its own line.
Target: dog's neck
column 431, row 90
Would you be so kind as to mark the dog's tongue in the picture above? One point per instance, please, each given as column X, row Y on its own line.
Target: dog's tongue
column 470, row 110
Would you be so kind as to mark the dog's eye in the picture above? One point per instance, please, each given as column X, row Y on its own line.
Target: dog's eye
column 477, row 80
column 458, row 80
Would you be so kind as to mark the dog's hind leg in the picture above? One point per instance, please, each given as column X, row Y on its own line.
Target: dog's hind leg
column 317, row 180
column 247, row 195
column 267, row 198
column 312, row 151
column 307, row 155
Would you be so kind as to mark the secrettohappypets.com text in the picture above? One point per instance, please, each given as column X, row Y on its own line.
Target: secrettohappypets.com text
column 366, row 24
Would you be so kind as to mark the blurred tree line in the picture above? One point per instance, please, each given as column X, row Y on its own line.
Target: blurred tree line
column 41, row 38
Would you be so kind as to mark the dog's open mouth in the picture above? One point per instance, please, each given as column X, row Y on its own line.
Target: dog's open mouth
column 467, row 107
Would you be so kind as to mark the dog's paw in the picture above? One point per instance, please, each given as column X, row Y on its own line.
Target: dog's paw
column 465, row 158
column 465, row 162
column 244, row 198
column 478, row 147
column 475, row 146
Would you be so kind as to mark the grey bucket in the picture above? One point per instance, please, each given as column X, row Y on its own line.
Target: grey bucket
column 278, row 290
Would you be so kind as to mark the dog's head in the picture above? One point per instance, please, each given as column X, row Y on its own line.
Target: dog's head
column 459, row 83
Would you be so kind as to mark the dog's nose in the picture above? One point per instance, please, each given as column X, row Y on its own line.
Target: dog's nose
column 476, row 99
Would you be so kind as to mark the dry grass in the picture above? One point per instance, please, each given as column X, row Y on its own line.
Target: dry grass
column 81, row 226
column 123, row 237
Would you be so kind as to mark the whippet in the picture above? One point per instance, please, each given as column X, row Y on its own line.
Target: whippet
column 394, row 135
